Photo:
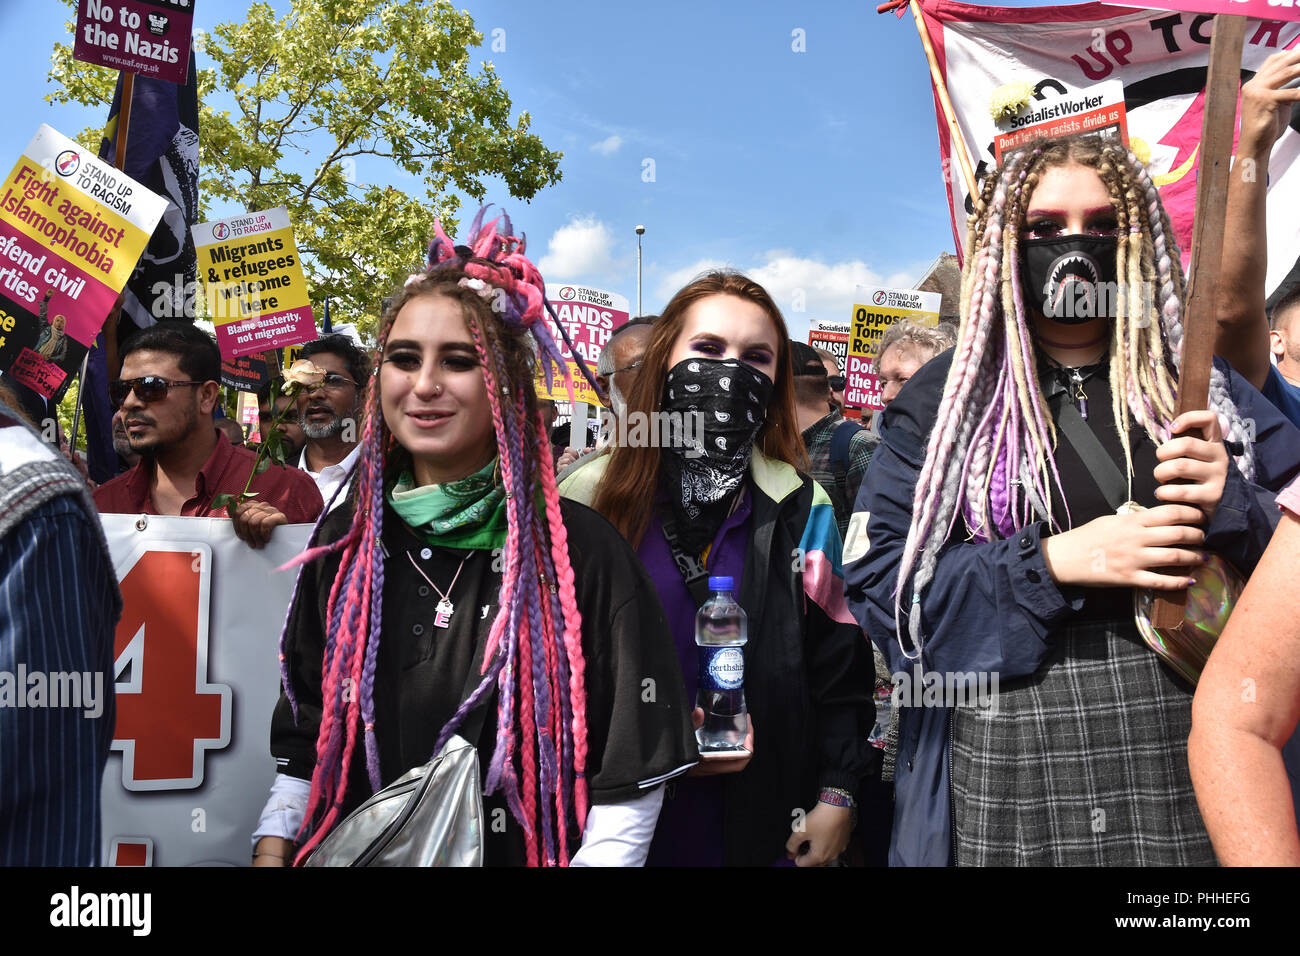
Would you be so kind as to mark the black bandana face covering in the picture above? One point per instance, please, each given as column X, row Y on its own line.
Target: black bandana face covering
column 723, row 405
column 1070, row 279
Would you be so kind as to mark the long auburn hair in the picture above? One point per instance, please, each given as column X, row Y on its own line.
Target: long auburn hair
column 534, row 651
column 632, row 476
column 990, row 458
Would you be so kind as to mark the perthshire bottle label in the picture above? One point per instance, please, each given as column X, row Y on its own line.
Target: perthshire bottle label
column 722, row 668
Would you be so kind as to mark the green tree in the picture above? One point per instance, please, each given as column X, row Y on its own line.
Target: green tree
column 331, row 84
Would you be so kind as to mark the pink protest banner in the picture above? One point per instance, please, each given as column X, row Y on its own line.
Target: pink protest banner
column 1259, row 9
column 590, row 317
column 146, row 37
column 1159, row 56
column 72, row 229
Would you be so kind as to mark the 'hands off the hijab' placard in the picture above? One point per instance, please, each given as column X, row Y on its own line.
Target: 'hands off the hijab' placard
column 590, row 317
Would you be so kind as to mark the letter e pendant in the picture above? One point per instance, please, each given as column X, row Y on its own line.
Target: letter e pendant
column 443, row 616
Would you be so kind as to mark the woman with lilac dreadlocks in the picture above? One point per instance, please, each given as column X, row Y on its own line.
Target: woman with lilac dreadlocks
column 995, row 537
column 453, row 591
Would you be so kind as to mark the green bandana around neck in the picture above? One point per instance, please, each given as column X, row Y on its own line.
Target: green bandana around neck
column 467, row 513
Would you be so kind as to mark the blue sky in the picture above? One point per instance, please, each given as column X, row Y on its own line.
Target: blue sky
column 814, row 171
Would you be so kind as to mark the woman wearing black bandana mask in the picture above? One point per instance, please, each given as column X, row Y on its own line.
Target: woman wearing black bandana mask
column 724, row 497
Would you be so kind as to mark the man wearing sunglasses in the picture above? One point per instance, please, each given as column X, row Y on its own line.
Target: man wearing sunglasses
column 834, row 377
column 330, row 413
column 167, row 394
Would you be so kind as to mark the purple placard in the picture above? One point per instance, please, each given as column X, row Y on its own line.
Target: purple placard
column 147, row 37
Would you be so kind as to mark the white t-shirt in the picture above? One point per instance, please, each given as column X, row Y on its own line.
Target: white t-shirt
column 331, row 476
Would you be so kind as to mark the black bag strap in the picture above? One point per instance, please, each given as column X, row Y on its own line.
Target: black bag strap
column 1105, row 473
column 841, row 439
column 695, row 574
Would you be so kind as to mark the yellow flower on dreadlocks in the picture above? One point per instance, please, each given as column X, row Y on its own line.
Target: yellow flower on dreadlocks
column 1009, row 100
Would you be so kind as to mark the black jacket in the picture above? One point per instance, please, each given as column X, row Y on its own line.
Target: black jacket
column 809, row 673
column 422, row 671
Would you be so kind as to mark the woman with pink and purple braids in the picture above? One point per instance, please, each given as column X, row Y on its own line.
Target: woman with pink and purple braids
column 996, row 545
column 454, row 592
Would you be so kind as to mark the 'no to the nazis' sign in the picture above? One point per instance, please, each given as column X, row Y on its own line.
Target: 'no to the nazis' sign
column 147, row 37
column 252, row 277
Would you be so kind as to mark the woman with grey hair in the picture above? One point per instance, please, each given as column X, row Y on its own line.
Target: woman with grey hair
column 904, row 348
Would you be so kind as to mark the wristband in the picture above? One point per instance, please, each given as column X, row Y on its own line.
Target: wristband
column 836, row 797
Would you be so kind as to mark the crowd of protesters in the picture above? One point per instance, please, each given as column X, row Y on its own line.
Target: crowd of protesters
column 1027, row 476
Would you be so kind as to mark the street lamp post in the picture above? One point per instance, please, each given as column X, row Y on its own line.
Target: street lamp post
column 640, row 231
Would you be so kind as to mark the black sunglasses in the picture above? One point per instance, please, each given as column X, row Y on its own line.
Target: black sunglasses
column 147, row 388
column 836, row 382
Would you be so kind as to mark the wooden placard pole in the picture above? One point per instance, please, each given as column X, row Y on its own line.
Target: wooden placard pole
column 945, row 103
column 123, row 119
column 1201, row 312
column 119, row 161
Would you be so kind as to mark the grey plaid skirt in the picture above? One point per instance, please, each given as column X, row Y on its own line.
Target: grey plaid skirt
column 1083, row 763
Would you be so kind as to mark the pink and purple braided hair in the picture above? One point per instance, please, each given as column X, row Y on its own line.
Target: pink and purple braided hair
column 534, row 656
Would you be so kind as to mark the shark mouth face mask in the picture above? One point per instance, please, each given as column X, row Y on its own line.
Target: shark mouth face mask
column 1070, row 279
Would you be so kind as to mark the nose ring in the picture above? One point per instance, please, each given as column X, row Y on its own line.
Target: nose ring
column 437, row 389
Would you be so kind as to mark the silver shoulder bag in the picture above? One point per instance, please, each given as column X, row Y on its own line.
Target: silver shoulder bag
column 430, row 816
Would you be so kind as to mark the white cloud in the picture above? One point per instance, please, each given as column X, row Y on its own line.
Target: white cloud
column 608, row 146
column 825, row 290
column 578, row 252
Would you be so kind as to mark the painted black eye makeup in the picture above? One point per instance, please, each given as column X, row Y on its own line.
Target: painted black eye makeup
column 407, row 361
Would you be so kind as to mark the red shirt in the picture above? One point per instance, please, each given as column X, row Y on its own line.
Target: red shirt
column 291, row 491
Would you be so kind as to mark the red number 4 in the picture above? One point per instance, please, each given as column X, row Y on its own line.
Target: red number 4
column 168, row 715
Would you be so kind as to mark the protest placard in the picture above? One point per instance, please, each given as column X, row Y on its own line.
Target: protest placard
column 196, row 672
column 71, row 231
column 247, row 416
column 246, row 373
column 590, row 317
column 834, row 338
column 1098, row 110
column 252, row 277
column 146, row 37
column 883, row 308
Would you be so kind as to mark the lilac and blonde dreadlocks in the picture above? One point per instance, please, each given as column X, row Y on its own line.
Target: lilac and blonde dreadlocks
column 534, row 651
column 990, row 457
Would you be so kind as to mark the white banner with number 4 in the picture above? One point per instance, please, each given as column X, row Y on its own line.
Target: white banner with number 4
column 197, row 676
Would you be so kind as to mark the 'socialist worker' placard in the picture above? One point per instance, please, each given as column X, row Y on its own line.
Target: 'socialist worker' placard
column 256, row 292
column 590, row 317
column 834, row 338
column 147, row 37
column 71, row 231
column 1098, row 110
column 883, row 308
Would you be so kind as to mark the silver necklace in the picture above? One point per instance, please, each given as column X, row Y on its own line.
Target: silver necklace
column 445, row 609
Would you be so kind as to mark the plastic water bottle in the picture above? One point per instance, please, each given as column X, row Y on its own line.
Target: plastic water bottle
column 721, row 631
